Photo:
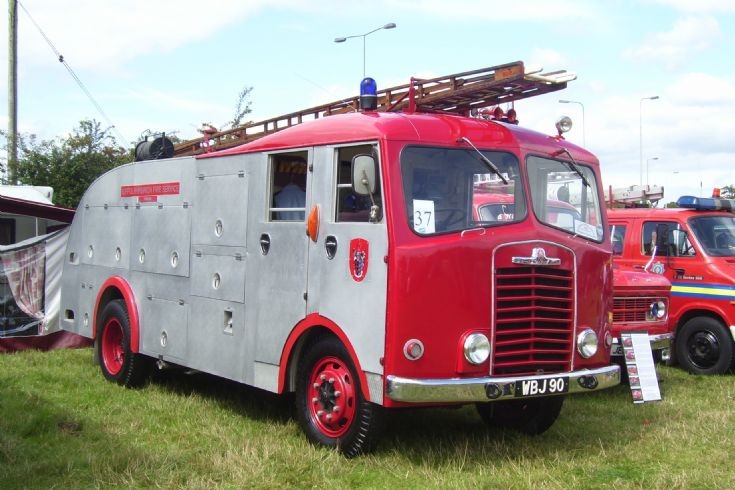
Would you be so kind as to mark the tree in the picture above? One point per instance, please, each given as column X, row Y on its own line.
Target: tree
column 69, row 165
column 728, row 192
column 242, row 107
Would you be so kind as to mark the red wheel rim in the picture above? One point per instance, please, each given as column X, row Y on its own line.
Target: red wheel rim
column 332, row 397
column 113, row 353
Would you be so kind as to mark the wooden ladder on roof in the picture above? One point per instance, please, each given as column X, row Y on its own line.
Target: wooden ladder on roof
column 458, row 93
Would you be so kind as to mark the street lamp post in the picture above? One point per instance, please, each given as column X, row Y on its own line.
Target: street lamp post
column 648, row 162
column 390, row 25
column 640, row 114
column 584, row 142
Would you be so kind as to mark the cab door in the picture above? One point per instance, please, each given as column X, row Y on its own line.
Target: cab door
column 347, row 273
column 659, row 246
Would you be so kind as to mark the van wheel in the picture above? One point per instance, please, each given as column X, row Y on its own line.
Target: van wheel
column 532, row 416
column 330, row 405
column 118, row 363
column 704, row 346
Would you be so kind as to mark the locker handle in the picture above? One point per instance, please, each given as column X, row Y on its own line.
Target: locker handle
column 265, row 243
column 330, row 244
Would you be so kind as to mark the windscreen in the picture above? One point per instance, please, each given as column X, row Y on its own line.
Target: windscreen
column 565, row 196
column 716, row 234
column 453, row 189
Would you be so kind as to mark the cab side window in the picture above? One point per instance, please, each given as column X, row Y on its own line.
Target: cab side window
column 349, row 206
column 617, row 235
column 675, row 243
column 288, row 187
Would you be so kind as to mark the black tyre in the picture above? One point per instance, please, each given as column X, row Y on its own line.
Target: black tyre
column 330, row 405
column 118, row 363
column 532, row 416
column 704, row 346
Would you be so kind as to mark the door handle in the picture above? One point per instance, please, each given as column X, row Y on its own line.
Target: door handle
column 330, row 245
column 265, row 243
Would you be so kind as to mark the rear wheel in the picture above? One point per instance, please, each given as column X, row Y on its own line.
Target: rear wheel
column 117, row 362
column 331, row 407
column 704, row 346
column 530, row 416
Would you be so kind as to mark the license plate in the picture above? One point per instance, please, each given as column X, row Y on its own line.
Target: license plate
column 540, row 387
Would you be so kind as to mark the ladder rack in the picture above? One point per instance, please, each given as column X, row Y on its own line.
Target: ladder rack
column 630, row 196
column 458, row 93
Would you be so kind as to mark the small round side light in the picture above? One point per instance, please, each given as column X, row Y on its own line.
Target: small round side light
column 413, row 349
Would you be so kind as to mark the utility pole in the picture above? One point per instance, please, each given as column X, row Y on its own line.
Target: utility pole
column 12, row 169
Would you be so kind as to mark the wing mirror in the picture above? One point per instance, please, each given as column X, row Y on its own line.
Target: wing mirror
column 363, row 175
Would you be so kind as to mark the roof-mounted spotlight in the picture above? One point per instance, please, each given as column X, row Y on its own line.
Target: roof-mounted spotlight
column 563, row 125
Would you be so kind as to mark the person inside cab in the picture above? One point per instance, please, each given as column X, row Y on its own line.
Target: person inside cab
column 725, row 240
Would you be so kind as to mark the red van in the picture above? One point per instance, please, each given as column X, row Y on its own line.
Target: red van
column 693, row 247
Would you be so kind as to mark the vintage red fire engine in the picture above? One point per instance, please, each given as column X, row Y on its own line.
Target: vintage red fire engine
column 693, row 247
column 340, row 259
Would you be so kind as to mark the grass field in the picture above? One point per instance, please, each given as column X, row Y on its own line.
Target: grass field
column 62, row 425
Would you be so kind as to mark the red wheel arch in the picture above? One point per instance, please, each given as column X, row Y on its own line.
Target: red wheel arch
column 126, row 293
column 315, row 320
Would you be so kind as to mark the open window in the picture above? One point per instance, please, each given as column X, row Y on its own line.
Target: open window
column 287, row 196
column 669, row 239
column 617, row 236
column 350, row 206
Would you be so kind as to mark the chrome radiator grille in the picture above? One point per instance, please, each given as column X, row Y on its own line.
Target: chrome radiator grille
column 534, row 320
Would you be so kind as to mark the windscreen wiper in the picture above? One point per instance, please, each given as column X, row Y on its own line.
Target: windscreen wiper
column 572, row 165
column 485, row 159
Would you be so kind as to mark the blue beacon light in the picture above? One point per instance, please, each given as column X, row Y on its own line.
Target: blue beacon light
column 368, row 94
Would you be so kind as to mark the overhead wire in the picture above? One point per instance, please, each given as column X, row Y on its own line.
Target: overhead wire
column 81, row 85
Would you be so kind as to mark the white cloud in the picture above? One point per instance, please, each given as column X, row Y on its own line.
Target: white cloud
column 499, row 11
column 111, row 33
column 688, row 36
column 700, row 6
column 547, row 58
column 699, row 89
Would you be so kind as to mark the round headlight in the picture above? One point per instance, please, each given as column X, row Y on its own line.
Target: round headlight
column 656, row 310
column 476, row 348
column 587, row 343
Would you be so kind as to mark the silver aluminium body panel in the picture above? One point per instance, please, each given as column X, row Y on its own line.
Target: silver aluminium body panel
column 207, row 296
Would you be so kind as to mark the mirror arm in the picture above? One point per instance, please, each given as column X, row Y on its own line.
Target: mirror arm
column 374, row 210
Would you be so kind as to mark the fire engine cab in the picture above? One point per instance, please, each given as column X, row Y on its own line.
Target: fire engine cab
column 692, row 246
column 342, row 259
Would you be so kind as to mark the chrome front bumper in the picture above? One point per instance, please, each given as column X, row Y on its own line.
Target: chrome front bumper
column 491, row 388
column 661, row 341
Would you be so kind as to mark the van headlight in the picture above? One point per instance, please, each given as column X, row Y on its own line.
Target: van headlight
column 656, row 311
column 476, row 348
column 587, row 343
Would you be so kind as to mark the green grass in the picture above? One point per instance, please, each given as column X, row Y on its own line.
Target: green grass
column 62, row 425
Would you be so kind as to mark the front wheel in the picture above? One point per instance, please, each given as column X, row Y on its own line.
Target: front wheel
column 117, row 361
column 704, row 346
column 331, row 407
column 532, row 416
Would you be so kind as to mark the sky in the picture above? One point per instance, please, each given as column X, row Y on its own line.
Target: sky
column 170, row 66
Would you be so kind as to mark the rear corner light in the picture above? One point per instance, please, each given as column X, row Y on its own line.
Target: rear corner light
column 476, row 348
column 413, row 350
column 587, row 343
